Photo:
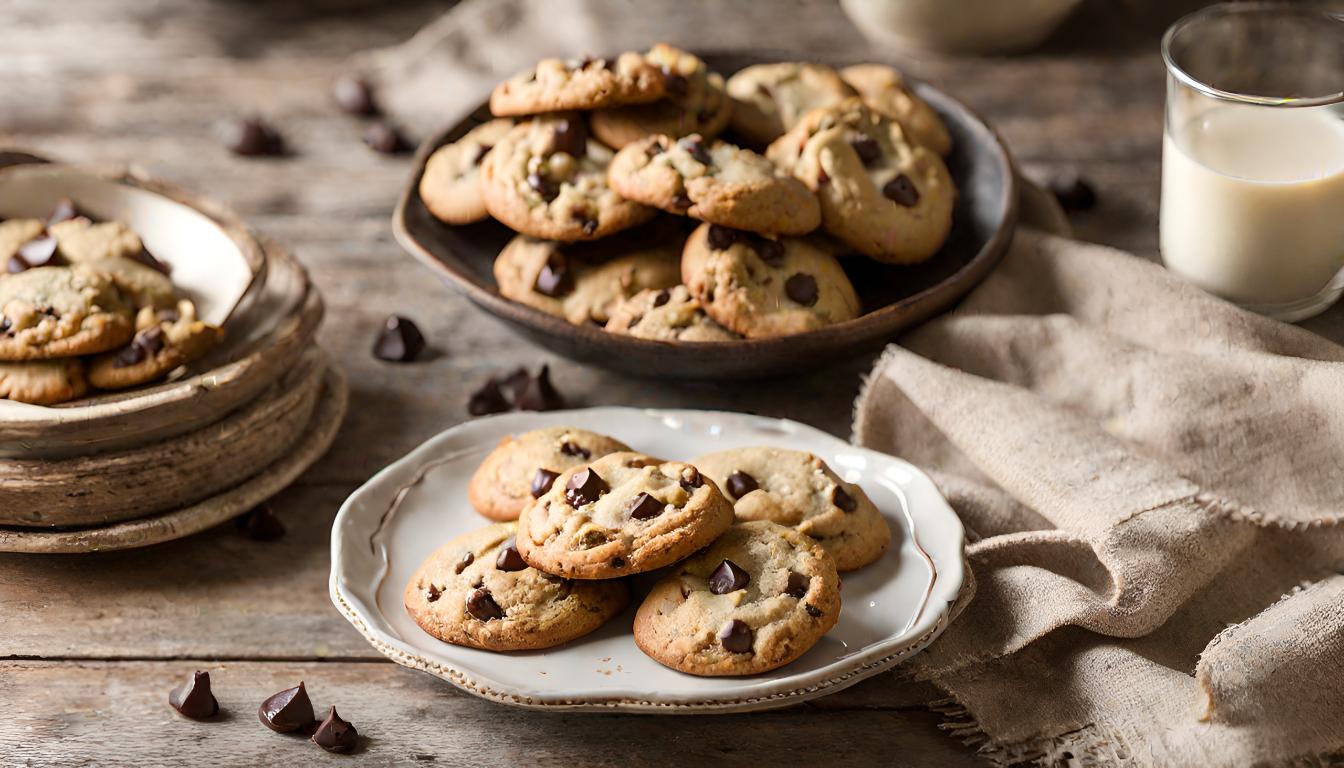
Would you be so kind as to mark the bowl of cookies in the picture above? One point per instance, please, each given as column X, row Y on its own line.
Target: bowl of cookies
column 711, row 216
column 663, row 561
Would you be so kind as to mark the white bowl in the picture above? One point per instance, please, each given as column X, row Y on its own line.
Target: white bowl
column 958, row 26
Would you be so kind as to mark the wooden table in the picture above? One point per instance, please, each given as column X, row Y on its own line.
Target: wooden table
column 90, row 645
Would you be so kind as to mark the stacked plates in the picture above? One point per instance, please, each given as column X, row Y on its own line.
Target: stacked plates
column 162, row 461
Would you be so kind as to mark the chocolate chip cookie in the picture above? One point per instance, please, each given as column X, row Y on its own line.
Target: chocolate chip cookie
column 669, row 314
column 584, row 282
column 884, row 90
column 43, row 382
column 81, row 240
column 63, row 311
column 450, row 186
column 142, row 286
column 696, row 102
column 797, row 489
column 523, row 468
column 770, row 98
column 546, row 179
column 882, row 194
column 759, row 287
column 557, row 84
column 165, row 339
column 714, row 181
column 755, row 600
column 621, row 514
column 477, row 591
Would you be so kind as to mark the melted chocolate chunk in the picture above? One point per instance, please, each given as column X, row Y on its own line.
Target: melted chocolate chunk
column 252, row 137
column 542, row 482
column 400, row 341
column 740, row 484
column 467, row 559
column 193, row 698
column 585, row 487
column 644, row 507
column 721, row 238
column 696, row 147
column 354, row 95
column 482, row 606
column 728, row 577
column 844, row 500
column 901, row 191
column 802, row 289
column 737, row 637
column 335, row 734
column 509, row 559
column 798, row 584
column 866, row 148
column 487, row 399
column 570, row 137
column 287, row 711
column 538, row 394
column 554, row 279
column 386, row 139
column 433, row 593
column 260, row 524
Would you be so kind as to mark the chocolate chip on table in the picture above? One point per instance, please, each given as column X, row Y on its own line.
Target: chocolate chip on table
column 519, row 390
column 260, row 524
column 570, row 449
column 798, row 584
column 542, row 482
column 335, row 734
column 867, row 148
column 844, row 500
column 585, row 487
column 467, row 559
column 488, row 399
column 482, row 606
column 728, row 577
column 400, row 341
column 570, row 136
column 644, row 507
column 354, row 95
column 252, row 137
column 514, row 384
column 64, row 210
column 385, row 139
column 509, row 559
column 539, row 394
column 721, row 238
column 287, row 711
column 1073, row 192
column 737, row 637
column 901, row 191
column 696, row 147
column 801, row 288
column 740, row 484
column 193, row 698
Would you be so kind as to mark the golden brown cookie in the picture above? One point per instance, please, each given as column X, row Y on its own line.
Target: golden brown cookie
column 164, row 340
column 770, row 98
column 696, row 102
column 884, row 90
column 556, row 84
column 43, row 382
column 49, row 312
column 522, row 468
column 668, row 314
column 450, row 186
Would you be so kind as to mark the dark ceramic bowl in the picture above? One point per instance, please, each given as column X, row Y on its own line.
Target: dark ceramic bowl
column 894, row 297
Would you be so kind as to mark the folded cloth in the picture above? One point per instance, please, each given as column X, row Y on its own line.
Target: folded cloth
column 1153, row 484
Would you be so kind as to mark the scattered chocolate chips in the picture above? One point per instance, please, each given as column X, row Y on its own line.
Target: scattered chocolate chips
column 39, row 252
column 482, row 606
column 538, row 394
column 737, row 637
column 193, row 698
column 844, row 500
column 467, row 559
column 384, row 138
column 64, row 210
column 1073, row 192
column 721, row 238
column 812, row 610
column 695, row 146
column 554, row 279
column 287, row 711
column 400, row 341
column 487, row 399
column 252, row 137
column 769, row 250
column 335, row 734
column 509, row 559
column 570, row 449
column 585, row 487
column 866, row 148
column 798, row 584
column 570, row 137
column 542, row 482
column 801, row 288
column 434, row 593
column 260, row 524
column 728, row 577
column 740, row 484
column 662, row 298
column 519, row 390
column 644, row 507
column 901, row 191
column 354, row 95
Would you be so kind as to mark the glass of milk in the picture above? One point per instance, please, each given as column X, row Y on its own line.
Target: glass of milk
column 1253, row 155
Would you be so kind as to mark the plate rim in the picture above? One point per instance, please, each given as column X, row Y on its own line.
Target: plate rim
column 943, row 591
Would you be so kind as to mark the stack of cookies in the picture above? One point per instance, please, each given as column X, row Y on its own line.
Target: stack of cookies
column 748, row 543
column 84, row 305
column 813, row 165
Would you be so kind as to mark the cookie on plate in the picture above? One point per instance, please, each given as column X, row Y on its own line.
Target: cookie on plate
column 714, row 181
column 546, row 179
column 755, row 600
column 43, row 382
column 884, row 90
column 669, row 314
column 770, row 98
column 584, row 282
column 557, row 84
column 522, row 468
column 165, row 339
column 62, row 311
column 696, row 102
column 880, row 193
column 798, row 489
column 476, row 591
column 450, row 186
column 759, row 287
column 622, row 514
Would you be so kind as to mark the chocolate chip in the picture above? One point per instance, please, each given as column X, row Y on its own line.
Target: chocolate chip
column 64, row 210
column 585, row 487
column 694, row 145
column 769, row 250
column 736, row 637
column 151, row 339
column 901, row 191
column 570, row 136
column 554, row 279
column 844, row 500
column 1073, row 192
column 662, row 298
column 866, row 148
column 549, row 190
column 193, row 698
column 354, row 95
column 252, row 137
column 728, row 577
column 467, row 559
column 516, row 382
column 587, row 223
column 798, row 584
column 434, row 593
column 133, row 354
column 487, row 399
column 812, row 610
column 740, row 484
column 539, row 394
column 260, row 524
column 287, row 711
column 618, row 562
column 542, row 482
column 644, row 507
column 570, row 449
column 802, row 288
column 38, row 252
column 385, row 139
column 482, row 606
column 509, row 559
column 721, row 238
column 681, row 201
column 400, row 341
column 675, row 82
column 691, row 479
column 335, row 734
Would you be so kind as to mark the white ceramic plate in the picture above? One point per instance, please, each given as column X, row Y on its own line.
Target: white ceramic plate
column 891, row 609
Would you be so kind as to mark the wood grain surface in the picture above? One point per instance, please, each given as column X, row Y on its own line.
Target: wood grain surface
column 91, row 644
